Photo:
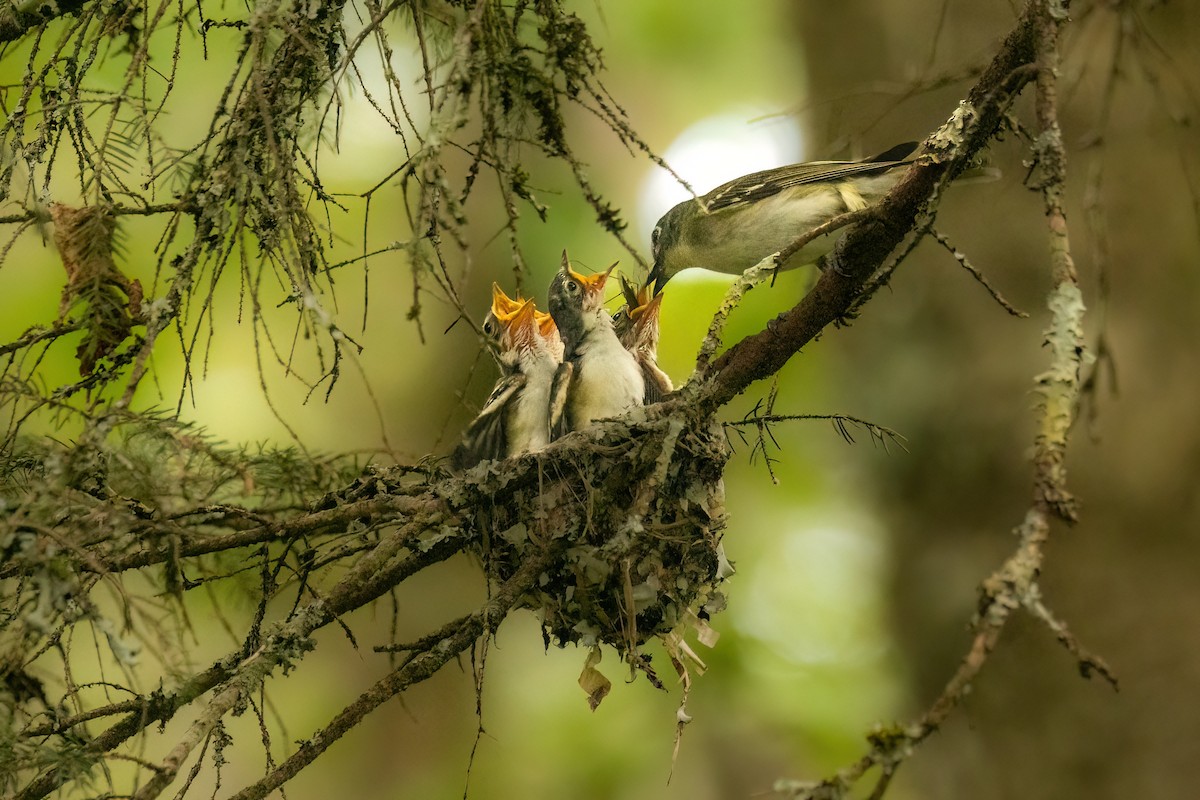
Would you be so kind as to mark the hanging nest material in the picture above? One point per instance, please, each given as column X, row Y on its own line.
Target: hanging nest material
column 639, row 524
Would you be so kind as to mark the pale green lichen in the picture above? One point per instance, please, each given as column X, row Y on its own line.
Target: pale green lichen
column 943, row 144
column 1058, row 386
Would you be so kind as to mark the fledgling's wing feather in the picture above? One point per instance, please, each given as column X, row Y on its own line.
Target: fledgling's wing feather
column 654, row 380
column 485, row 438
column 559, row 388
column 759, row 185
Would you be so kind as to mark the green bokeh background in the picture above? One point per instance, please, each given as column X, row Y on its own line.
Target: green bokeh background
column 856, row 565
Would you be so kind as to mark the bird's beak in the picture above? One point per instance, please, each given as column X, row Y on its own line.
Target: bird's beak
column 502, row 304
column 647, row 308
column 592, row 285
column 545, row 324
column 657, row 277
column 646, row 293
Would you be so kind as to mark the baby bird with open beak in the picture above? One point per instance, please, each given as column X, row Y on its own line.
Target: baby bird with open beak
column 515, row 419
column 598, row 377
column 636, row 324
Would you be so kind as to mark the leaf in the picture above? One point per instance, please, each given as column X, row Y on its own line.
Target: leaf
column 592, row 681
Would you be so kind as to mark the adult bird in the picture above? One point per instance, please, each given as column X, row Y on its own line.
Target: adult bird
column 515, row 419
column 636, row 324
column 598, row 377
column 740, row 223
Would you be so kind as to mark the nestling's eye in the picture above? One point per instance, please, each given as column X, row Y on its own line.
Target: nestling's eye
column 573, row 287
column 621, row 314
column 489, row 327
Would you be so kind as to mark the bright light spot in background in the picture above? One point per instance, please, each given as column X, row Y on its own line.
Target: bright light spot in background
column 817, row 601
column 715, row 150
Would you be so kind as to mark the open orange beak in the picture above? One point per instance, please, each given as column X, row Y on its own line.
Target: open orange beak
column 593, row 285
column 520, row 325
column 640, row 300
column 545, row 324
column 502, row 304
column 647, row 307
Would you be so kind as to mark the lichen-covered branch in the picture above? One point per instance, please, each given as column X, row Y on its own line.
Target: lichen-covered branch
column 1014, row 585
column 17, row 19
column 611, row 535
column 420, row 665
column 867, row 245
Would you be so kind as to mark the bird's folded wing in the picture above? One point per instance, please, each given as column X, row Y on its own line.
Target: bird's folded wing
column 657, row 384
column 759, row 185
column 559, row 389
column 486, row 438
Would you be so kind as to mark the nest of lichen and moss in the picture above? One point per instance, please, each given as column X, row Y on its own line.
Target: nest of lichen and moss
column 637, row 512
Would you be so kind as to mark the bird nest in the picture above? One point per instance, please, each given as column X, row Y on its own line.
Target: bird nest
column 638, row 513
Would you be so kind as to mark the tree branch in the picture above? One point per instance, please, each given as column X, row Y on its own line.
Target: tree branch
column 1014, row 585
column 867, row 245
column 418, row 667
column 635, row 499
column 371, row 576
column 18, row 19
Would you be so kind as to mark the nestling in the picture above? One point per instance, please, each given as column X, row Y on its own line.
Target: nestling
column 598, row 377
column 515, row 419
column 636, row 324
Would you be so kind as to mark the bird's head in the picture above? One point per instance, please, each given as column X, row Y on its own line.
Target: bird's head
column 636, row 322
column 510, row 323
column 493, row 330
column 576, row 301
column 662, row 244
column 569, row 287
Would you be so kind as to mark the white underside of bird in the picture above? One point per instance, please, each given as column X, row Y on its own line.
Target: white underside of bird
column 609, row 384
column 528, row 415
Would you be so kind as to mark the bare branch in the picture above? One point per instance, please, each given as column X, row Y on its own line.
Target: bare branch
column 966, row 264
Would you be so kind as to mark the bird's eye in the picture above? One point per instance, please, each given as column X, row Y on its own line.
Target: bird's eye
column 620, row 315
column 489, row 327
column 572, row 287
column 654, row 240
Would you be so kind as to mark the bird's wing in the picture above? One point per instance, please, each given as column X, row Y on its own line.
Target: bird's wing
column 559, row 389
column 486, row 438
column 759, row 185
column 656, row 382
